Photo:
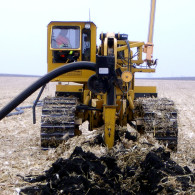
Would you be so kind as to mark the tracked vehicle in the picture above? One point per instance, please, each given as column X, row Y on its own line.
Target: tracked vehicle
column 109, row 96
column 98, row 84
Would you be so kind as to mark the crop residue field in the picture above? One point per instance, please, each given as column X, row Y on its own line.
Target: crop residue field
column 21, row 155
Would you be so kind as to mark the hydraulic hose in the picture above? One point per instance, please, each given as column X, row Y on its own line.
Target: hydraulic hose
column 20, row 110
column 44, row 80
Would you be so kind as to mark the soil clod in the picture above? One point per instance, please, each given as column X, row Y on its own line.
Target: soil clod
column 121, row 170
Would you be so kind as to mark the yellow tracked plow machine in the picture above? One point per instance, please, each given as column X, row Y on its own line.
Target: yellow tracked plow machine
column 106, row 97
column 98, row 84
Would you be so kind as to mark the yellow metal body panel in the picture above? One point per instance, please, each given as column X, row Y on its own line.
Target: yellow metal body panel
column 143, row 70
column 145, row 89
column 109, row 122
column 81, row 76
column 69, row 88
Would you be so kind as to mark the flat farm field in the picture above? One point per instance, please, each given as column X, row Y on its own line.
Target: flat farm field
column 20, row 152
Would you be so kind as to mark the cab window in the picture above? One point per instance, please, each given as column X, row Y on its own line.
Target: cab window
column 65, row 37
column 86, row 44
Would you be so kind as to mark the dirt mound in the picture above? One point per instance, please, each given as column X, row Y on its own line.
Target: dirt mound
column 131, row 167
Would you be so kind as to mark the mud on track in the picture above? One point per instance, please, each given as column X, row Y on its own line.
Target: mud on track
column 20, row 140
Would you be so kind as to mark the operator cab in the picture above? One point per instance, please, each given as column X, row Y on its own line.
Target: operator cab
column 68, row 43
column 71, row 42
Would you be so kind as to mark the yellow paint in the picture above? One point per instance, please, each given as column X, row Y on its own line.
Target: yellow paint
column 131, row 105
column 99, row 101
column 151, row 26
column 80, row 76
column 86, row 97
column 109, row 122
column 143, row 70
column 126, row 76
column 69, row 88
column 145, row 89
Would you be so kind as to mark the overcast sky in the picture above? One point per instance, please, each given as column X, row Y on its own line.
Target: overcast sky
column 23, row 32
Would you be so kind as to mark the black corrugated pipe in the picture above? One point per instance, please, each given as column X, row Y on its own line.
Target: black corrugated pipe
column 44, row 80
